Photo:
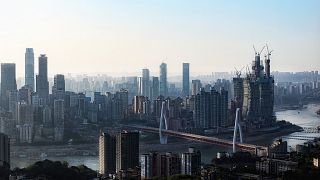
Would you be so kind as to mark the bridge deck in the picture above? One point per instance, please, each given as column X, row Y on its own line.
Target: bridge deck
column 195, row 137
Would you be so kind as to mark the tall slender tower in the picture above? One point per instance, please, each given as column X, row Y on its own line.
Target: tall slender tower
column 8, row 83
column 107, row 154
column 42, row 80
column 145, row 84
column 163, row 80
column 155, row 88
column 29, row 68
column 185, row 79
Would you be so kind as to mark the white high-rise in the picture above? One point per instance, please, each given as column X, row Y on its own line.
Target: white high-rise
column 29, row 68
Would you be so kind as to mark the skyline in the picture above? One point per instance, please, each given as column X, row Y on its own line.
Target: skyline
column 86, row 37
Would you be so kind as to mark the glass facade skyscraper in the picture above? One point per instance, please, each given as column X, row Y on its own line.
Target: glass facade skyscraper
column 185, row 79
column 29, row 68
column 42, row 80
column 163, row 80
column 8, row 83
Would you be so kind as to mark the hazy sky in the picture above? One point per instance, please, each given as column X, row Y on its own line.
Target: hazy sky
column 88, row 36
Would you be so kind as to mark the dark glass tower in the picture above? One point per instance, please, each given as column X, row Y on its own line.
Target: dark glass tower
column 42, row 80
column 185, row 79
column 8, row 83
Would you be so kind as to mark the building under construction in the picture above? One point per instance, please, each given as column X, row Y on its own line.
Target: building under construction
column 255, row 93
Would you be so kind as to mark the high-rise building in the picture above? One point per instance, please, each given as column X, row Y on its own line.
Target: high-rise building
column 4, row 150
column 157, row 106
column 29, row 68
column 170, row 164
column 258, row 95
column 59, row 87
column 163, row 80
column 107, row 154
column 185, row 79
column 7, row 125
column 127, row 150
column 59, row 83
column 141, row 105
column 224, row 120
column 238, row 90
column 191, row 162
column 145, row 84
column 196, row 85
column 42, row 84
column 13, row 103
column 122, row 99
column 25, row 113
column 154, row 164
column 25, row 94
column 154, row 89
column 46, row 117
column 8, row 83
column 146, row 166
column 58, row 115
column 211, row 108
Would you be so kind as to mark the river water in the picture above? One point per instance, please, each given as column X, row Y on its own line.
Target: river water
column 305, row 117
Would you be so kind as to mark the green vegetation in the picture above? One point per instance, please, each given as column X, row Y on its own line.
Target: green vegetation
column 178, row 177
column 306, row 169
column 55, row 170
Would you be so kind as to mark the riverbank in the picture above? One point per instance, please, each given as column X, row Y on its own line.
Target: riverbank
column 265, row 139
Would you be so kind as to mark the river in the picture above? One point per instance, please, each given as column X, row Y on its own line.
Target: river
column 305, row 117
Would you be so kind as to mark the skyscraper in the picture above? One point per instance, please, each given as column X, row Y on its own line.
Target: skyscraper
column 58, row 88
column 196, row 85
column 25, row 122
column 185, row 79
column 42, row 85
column 146, row 166
column 25, row 94
column 127, row 150
column 8, row 83
column 223, row 103
column 59, row 83
column 107, row 154
column 258, row 92
column 191, row 162
column 4, row 150
column 154, row 88
column 58, row 115
column 163, row 80
column 121, row 99
column 211, row 108
column 29, row 68
column 238, row 90
column 145, row 84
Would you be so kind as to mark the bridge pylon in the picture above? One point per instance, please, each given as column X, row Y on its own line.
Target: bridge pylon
column 163, row 124
column 236, row 126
